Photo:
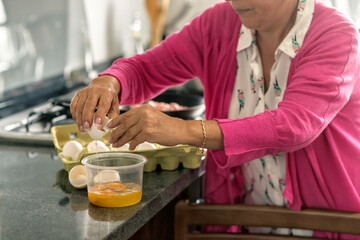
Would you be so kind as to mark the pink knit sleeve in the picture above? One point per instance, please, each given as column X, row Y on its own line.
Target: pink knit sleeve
column 177, row 59
column 320, row 83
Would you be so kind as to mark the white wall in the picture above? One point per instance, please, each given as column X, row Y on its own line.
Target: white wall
column 349, row 7
column 109, row 21
column 2, row 13
column 197, row 6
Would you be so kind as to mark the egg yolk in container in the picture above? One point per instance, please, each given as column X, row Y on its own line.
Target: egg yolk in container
column 115, row 194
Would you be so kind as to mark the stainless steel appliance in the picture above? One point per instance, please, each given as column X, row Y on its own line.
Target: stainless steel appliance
column 33, row 125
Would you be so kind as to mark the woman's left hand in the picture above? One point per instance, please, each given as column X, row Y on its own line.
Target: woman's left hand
column 145, row 123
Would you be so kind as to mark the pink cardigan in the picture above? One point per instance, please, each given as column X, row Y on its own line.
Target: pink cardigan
column 317, row 124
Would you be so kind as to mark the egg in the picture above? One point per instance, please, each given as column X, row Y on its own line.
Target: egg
column 77, row 176
column 162, row 146
column 97, row 132
column 124, row 147
column 145, row 146
column 72, row 149
column 105, row 176
column 97, row 146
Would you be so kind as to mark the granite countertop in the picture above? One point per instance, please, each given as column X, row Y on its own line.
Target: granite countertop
column 37, row 201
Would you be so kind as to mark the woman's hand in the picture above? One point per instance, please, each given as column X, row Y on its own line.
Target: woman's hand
column 103, row 94
column 145, row 123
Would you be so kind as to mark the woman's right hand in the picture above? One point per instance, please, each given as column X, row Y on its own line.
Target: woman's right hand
column 102, row 93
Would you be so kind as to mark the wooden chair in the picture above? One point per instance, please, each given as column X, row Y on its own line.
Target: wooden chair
column 190, row 214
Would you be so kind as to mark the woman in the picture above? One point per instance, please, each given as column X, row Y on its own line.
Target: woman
column 281, row 88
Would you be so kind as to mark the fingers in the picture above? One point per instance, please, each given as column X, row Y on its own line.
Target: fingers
column 132, row 135
column 73, row 103
column 88, row 111
column 108, row 105
column 138, row 125
column 138, row 139
column 125, row 131
column 79, row 111
column 102, row 93
column 102, row 109
column 114, row 110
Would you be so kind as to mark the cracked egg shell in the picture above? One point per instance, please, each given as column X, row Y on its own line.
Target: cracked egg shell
column 97, row 132
column 77, row 176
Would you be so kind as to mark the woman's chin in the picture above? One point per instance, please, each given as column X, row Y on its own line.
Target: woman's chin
column 248, row 24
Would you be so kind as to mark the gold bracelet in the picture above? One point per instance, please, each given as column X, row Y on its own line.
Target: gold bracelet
column 204, row 135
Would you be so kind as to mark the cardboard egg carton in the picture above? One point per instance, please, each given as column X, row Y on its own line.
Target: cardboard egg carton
column 168, row 158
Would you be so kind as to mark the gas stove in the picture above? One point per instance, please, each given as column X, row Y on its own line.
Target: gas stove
column 33, row 126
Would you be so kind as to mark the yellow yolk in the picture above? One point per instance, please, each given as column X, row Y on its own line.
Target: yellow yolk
column 115, row 194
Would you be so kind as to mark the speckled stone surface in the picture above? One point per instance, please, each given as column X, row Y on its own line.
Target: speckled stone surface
column 38, row 202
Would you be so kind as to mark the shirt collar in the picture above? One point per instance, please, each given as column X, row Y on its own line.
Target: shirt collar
column 294, row 39
column 247, row 37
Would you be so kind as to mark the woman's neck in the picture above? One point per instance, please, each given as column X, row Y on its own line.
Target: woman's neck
column 271, row 38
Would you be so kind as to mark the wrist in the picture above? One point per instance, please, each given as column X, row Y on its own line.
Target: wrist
column 205, row 134
column 108, row 81
column 192, row 133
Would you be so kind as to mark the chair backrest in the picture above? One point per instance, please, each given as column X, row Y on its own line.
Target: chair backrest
column 190, row 214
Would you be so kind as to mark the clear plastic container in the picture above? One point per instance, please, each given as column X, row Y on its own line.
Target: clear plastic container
column 114, row 179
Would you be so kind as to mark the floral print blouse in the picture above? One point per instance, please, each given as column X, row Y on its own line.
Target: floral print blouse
column 264, row 178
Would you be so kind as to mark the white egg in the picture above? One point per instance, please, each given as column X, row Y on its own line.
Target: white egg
column 124, row 147
column 97, row 132
column 77, row 176
column 162, row 146
column 97, row 146
column 72, row 149
column 145, row 146
column 105, row 176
